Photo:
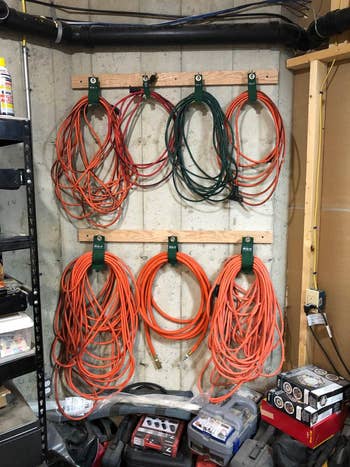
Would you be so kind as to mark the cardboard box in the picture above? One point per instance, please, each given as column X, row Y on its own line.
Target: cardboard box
column 302, row 412
column 314, row 386
column 309, row 436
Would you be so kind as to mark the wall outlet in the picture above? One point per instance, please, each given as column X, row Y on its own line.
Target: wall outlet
column 316, row 298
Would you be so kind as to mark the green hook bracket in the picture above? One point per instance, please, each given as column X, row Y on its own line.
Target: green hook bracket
column 252, row 86
column 198, row 87
column 247, row 254
column 173, row 248
column 146, row 88
column 94, row 90
column 98, row 253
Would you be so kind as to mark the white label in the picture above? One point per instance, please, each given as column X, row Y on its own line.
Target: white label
column 298, row 412
column 315, row 318
column 77, row 406
column 215, row 428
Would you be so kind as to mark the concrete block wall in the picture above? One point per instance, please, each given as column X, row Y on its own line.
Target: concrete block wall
column 50, row 72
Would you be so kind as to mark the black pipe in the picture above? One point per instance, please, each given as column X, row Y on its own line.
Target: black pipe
column 89, row 35
column 241, row 33
column 272, row 33
column 332, row 23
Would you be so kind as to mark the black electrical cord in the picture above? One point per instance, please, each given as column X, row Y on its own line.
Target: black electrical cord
column 324, row 351
column 96, row 11
column 297, row 7
column 336, row 349
column 192, row 182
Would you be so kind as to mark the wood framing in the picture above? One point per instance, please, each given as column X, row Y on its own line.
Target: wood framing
column 338, row 52
column 170, row 79
column 318, row 72
column 183, row 236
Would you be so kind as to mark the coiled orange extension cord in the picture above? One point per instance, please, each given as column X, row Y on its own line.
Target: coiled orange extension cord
column 130, row 107
column 89, row 186
column 92, row 350
column 257, row 178
column 195, row 327
column 246, row 327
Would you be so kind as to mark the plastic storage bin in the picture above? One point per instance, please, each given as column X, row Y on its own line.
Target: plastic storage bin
column 16, row 331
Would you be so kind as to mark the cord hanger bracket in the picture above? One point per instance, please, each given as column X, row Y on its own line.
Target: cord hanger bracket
column 98, row 253
column 94, row 90
column 252, row 86
column 173, row 248
column 247, row 254
column 198, row 87
column 147, row 81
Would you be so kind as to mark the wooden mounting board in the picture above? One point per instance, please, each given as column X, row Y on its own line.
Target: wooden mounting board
column 183, row 236
column 170, row 79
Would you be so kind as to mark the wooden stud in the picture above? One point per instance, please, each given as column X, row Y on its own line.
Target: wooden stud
column 170, row 79
column 183, row 236
column 318, row 72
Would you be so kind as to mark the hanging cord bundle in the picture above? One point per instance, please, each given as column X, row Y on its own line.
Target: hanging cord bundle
column 257, row 178
column 195, row 327
column 89, row 186
column 92, row 351
column 193, row 182
column 130, row 108
column 246, row 327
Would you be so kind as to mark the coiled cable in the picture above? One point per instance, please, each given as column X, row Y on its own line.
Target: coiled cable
column 130, row 108
column 246, row 326
column 193, row 182
column 92, row 351
column 257, row 178
column 91, row 184
column 195, row 327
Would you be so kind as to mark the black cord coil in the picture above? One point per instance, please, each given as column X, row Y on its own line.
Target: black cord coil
column 192, row 182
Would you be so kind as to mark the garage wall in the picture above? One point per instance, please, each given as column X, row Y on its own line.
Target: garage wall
column 50, row 71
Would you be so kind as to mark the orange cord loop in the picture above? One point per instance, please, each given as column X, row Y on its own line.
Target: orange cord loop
column 90, row 186
column 195, row 327
column 257, row 178
column 92, row 350
column 157, row 171
column 246, row 327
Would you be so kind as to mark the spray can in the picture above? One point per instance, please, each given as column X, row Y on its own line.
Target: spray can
column 6, row 97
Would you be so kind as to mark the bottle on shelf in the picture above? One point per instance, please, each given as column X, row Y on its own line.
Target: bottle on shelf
column 6, row 96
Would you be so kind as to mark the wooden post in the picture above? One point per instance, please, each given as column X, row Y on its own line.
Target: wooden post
column 318, row 72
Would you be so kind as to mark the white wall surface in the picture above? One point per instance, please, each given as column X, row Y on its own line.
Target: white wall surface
column 50, row 73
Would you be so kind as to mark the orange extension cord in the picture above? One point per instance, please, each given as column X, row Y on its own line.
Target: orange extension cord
column 130, row 107
column 246, row 327
column 195, row 327
column 92, row 350
column 258, row 178
column 89, row 186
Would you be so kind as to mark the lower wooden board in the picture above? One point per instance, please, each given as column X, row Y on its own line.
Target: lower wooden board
column 183, row 236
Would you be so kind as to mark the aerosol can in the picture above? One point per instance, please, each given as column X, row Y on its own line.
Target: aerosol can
column 6, row 97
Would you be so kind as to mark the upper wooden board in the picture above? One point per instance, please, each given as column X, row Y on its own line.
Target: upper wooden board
column 171, row 79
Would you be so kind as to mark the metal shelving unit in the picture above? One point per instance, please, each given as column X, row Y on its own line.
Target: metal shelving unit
column 14, row 131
